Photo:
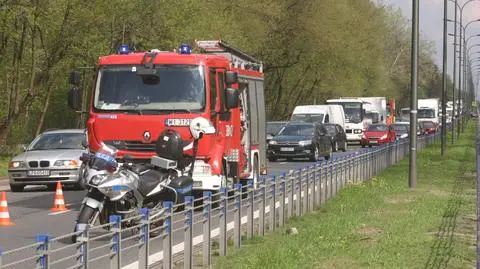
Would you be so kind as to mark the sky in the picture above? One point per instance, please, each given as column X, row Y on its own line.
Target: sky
column 431, row 25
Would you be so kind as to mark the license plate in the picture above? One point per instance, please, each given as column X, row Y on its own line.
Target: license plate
column 287, row 149
column 373, row 142
column 197, row 184
column 38, row 173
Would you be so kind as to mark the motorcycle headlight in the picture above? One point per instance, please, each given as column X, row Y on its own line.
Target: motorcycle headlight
column 305, row 143
column 95, row 180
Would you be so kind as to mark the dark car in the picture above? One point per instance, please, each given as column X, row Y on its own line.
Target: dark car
column 273, row 127
column 401, row 130
column 338, row 136
column 300, row 140
column 427, row 127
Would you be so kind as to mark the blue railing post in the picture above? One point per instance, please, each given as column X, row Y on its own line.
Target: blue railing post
column 116, row 228
column 1, row 255
column 223, row 221
column 83, row 248
column 144, row 238
column 167, row 238
column 298, row 198
column 43, row 260
column 291, row 193
column 188, row 234
column 207, row 237
column 330, row 179
column 261, row 207
column 250, row 209
column 283, row 191
column 273, row 211
column 237, row 217
column 307, row 189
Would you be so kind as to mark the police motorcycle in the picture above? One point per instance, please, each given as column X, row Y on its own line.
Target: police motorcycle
column 116, row 188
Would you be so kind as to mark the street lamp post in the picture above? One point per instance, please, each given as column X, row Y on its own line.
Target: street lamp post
column 444, row 76
column 412, row 177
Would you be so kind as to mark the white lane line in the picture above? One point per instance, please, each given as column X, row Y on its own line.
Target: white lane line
column 58, row 213
column 283, row 162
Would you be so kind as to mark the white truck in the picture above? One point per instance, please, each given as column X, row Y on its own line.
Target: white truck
column 428, row 110
column 375, row 109
column 355, row 120
column 319, row 113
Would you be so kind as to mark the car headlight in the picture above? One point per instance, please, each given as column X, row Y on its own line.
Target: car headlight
column 383, row 136
column 16, row 164
column 66, row 163
column 364, row 136
column 404, row 136
column 305, row 142
column 272, row 142
column 95, row 180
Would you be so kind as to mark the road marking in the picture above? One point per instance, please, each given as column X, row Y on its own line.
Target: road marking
column 283, row 162
column 58, row 213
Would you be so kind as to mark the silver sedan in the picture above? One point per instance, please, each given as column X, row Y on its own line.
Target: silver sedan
column 52, row 156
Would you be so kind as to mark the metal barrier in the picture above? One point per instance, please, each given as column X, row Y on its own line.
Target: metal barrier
column 242, row 212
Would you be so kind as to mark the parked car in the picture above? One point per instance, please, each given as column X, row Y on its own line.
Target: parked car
column 300, row 140
column 273, row 127
column 338, row 136
column 377, row 134
column 401, row 130
column 52, row 156
column 427, row 127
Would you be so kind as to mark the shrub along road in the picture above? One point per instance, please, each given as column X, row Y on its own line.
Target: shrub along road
column 383, row 224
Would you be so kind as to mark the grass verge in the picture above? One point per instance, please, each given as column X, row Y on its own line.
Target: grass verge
column 4, row 166
column 383, row 224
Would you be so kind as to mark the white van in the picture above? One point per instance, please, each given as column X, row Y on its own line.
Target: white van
column 319, row 113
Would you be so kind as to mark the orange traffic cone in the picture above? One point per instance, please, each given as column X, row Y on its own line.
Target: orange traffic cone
column 4, row 216
column 59, row 203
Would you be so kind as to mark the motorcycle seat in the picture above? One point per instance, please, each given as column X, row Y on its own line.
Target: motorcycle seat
column 149, row 180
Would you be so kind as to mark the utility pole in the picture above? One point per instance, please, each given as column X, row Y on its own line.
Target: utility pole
column 444, row 76
column 454, row 70
column 460, row 76
column 412, row 177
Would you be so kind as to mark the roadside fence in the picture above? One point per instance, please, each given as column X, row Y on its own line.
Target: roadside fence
column 189, row 234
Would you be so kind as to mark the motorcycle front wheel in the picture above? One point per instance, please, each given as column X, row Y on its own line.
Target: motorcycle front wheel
column 84, row 217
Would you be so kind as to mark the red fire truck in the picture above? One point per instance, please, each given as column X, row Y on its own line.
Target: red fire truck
column 130, row 107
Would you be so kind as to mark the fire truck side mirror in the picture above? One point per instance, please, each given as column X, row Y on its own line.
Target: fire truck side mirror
column 75, row 78
column 74, row 98
column 232, row 97
column 231, row 77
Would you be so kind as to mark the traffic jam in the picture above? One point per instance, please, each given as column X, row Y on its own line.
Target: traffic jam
column 166, row 125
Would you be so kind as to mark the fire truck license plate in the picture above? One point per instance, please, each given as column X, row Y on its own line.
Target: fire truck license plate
column 287, row 149
column 177, row 122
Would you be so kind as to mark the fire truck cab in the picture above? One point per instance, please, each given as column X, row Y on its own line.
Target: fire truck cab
column 137, row 95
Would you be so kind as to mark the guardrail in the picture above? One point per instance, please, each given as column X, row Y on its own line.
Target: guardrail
column 242, row 212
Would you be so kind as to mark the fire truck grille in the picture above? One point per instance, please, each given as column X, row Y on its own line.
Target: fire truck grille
column 132, row 145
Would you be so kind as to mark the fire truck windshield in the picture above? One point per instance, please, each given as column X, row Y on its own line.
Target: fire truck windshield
column 179, row 88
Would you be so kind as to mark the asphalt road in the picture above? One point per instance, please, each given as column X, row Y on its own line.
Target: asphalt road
column 30, row 211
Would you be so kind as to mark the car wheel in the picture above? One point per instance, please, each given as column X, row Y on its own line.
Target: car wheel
column 272, row 159
column 369, row 146
column 363, row 145
column 16, row 188
column 345, row 147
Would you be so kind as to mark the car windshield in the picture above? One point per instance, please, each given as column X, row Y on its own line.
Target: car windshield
column 312, row 118
column 297, row 130
column 400, row 128
column 52, row 141
column 179, row 87
column 274, row 127
column 377, row 128
column 426, row 113
column 331, row 129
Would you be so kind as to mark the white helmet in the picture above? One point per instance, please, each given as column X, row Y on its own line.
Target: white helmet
column 200, row 126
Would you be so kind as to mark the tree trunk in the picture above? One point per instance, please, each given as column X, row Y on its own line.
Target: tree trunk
column 44, row 110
